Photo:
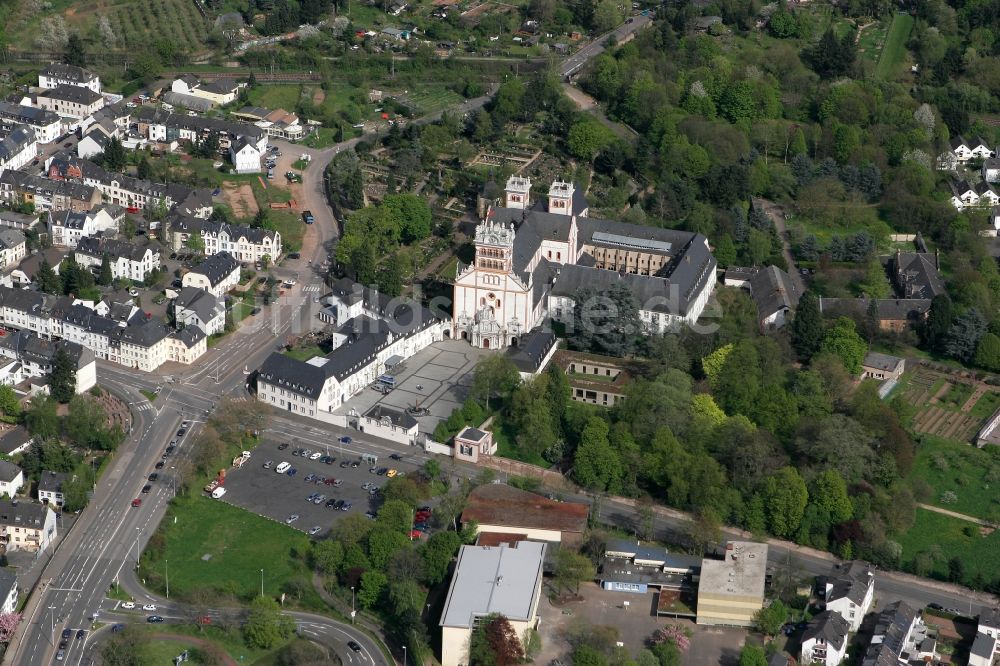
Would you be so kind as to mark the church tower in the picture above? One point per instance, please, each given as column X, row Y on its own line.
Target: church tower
column 517, row 193
column 561, row 198
column 494, row 246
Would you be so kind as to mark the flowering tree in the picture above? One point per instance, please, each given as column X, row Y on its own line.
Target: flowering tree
column 672, row 633
column 8, row 625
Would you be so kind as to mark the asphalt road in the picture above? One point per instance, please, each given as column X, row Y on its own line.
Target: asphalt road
column 572, row 64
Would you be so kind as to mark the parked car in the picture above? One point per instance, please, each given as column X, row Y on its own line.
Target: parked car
column 308, row 216
column 309, row 478
column 319, row 499
column 330, row 503
column 149, row 607
column 314, row 530
column 291, row 519
column 153, row 619
column 127, row 605
column 315, row 456
column 154, row 476
column 267, row 465
column 346, row 506
column 396, row 456
column 282, row 446
column 292, row 471
column 391, row 473
column 159, row 464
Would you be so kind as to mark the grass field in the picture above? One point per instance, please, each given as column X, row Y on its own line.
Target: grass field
column 304, row 353
column 291, row 226
column 273, row 97
column 176, row 637
column 431, row 100
column 894, row 50
column 218, row 547
column 140, row 24
column 972, row 474
column 946, row 536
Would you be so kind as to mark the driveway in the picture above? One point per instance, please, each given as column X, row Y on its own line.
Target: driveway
column 777, row 215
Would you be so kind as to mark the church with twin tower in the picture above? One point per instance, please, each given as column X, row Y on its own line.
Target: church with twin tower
column 533, row 258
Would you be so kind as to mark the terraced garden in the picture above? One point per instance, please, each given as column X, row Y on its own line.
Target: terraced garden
column 140, row 24
column 950, row 405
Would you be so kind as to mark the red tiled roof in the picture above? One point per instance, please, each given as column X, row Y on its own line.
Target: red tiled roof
column 498, row 504
column 494, row 539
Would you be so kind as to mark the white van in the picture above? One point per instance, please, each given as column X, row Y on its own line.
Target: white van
column 218, row 492
column 282, row 467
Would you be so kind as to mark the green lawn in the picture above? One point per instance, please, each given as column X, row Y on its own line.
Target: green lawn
column 158, row 651
column 279, row 96
column 304, row 353
column 432, row 99
column 986, row 405
column 164, row 649
column 871, row 40
column 935, row 532
column 291, row 226
column 972, row 474
column 323, row 137
column 894, row 50
column 212, row 545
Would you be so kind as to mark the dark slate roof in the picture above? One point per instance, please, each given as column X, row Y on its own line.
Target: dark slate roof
column 189, row 336
column 71, row 220
column 990, row 617
column 880, row 654
column 52, row 481
column 8, row 471
column 351, row 292
column 201, row 302
column 10, row 238
column 893, row 623
column 22, row 514
column 217, row 267
column 828, row 627
column 142, row 335
column 850, row 583
column 14, row 440
column 984, row 646
column 960, row 187
column 180, row 223
column 293, row 375
column 635, row 551
column 773, row 290
column 100, row 138
column 193, row 200
column 96, row 247
column 396, row 417
column 532, row 349
column 27, row 345
column 881, row 361
column 15, row 142
column 917, row 275
column 889, row 309
column 19, row 180
column 957, row 142
column 30, row 265
column 219, row 86
column 29, row 115
column 75, row 94
column 198, row 123
column 78, row 75
column 471, row 434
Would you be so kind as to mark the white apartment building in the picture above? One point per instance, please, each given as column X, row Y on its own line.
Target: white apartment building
column 71, row 101
column 128, row 260
column 69, row 227
column 246, row 244
column 216, row 275
column 47, row 125
column 57, row 74
column 18, row 148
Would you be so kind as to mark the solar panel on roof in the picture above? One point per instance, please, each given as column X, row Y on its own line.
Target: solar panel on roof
column 628, row 241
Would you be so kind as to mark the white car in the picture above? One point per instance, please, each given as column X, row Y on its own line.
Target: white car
column 315, row 456
column 128, row 605
column 149, row 607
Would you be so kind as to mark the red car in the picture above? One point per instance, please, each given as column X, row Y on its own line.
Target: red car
column 416, row 534
column 132, row 210
column 136, row 502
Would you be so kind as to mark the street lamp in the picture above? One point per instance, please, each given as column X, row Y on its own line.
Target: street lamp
column 261, row 582
column 52, row 624
column 404, row 655
column 352, row 605
column 138, row 534
column 167, row 565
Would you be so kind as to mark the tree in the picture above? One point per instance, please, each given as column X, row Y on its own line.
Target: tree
column 704, row 530
column 10, row 405
column 114, row 157
column 327, row 556
column 373, row 584
column 62, row 380
column 495, row 376
column 988, row 352
column 935, row 329
column 964, row 335
column 266, row 625
column 125, row 648
column 768, row 620
column 47, row 279
column 437, row 554
column 383, row 543
column 843, row 341
column 75, row 53
column 41, row 418
column 105, row 277
column 8, row 625
column 606, row 322
column 495, row 643
column 596, row 465
column 785, row 497
column 410, row 214
column 195, row 242
column 829, row 492
column 144, row 170
column 572, row 569
column 752, row 655
column 587, row 138
column 876, row 284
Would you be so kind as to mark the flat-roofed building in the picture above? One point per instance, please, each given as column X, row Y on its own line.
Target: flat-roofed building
column 503, row 580
column 731, row 590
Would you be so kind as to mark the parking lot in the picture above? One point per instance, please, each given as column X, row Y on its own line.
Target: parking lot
column 437, row 378
column 278, row 496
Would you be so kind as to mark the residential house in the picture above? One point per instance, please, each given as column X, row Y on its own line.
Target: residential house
column 13, row 248
column 132, row 193
column 216, row 275
column 731, row 590
column 14, row 440
column 48, row 126
column 989, row 622
column 594, row 379
column 739, row 276
column 532, row 352
column 71, row 101
column 93, row 144
column 50, row 488
column 849, row 591
column 197, row 307
column 128, row 260
column 899, row 637
column 776, row 296
column 893, row 314
column 915, row 275
column 69, row 227
column 366, row 346
column 979, row 149
column 825, row 640
column 26, row 526
column 34, row 357
column 248, row 245
column 27, row 270
column 282, row 124
column 471, row 443
column 8, row 591
column 158, row 125
column 18, row 187
column 503, row 509
column 11, row 479
column 882, row 367
column 963, row 195
column 220, row 91
column 991, row 170
column 960, row 148
column 181, row 228
column 503, row 580
column 984, row 648
column 17, row 147
column 19, row 221
column 59, row 74
column 244, row 155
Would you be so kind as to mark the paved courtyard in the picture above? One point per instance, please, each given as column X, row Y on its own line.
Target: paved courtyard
column 437, row 378
column 710, row 646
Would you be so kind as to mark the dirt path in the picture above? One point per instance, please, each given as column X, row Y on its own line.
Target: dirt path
column 955, row 514
column 319, row 96
column 976, row 395
column 240, row 199
column 777, row 216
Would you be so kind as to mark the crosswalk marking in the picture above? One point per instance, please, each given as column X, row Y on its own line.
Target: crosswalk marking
column 312, row 287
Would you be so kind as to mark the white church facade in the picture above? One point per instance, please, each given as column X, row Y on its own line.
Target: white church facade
column 532, row 260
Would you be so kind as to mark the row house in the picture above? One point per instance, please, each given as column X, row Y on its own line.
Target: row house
column 964, row 195
column 13, row 248
column 18, row 187
column 196, row 307
column 35, row 355
column 69, row 227
column 48, row 126
column 18, row 147
column 158, row 125
column 245, row 243
column 26, row 526
column 216, row 275
column 128, row 260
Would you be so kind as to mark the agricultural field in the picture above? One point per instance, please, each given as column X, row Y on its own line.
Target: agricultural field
column 893, row 52
column 963, row 478
column 430, row 100
column 949, row 405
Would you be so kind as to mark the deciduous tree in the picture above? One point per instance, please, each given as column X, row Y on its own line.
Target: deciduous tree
column 266, row 626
